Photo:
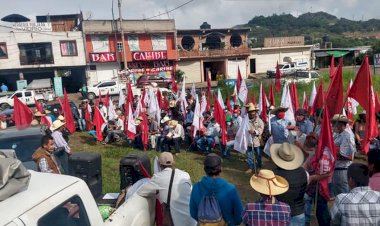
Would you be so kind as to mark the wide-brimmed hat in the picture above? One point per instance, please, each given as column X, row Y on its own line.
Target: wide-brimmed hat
column 166, row 159
column 38, row 114
column 61, row 117
column 251, row 107
column 278, row 109
column 165, row 119
column 173, row 123
column 56, row 125
column 340, row 118
column 138, row 120
column 286, row 156
column 269, row 184
column 172, row 103
column 301, row 112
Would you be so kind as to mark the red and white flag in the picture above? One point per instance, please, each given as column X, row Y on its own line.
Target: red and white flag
column 220, row 99
column 312, row 95
column 362, row 92
column 131, row 127
column 197, row 120
column 243, row 92
column 203, row 103
column 286, row 102
column 239, row 79
column 220, row 118
column 22, row 115
column 263, row 104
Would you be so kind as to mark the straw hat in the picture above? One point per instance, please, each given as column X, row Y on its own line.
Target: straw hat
column 138, row 120
column 166, row 159
column 56, row 125
column 38, row 114
column 278, row 109
column 165, row 119
column 173, row 123
column 340, row 118
column 172, row 103
column 269, row 184
column 286, row 156
column 61, row 118
column 252, row 107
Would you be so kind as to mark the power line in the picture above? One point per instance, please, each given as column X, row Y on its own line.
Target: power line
column 170, row 10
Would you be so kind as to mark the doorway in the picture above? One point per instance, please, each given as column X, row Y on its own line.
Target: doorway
column 252, row 66
column 216, row 68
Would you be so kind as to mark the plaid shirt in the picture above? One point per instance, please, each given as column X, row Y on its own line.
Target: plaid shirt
column 361, row 206
column 263, row 212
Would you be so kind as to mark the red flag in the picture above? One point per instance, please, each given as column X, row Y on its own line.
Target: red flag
column 44, row 120
column 362, row 92
column 377, row 108
column 239, row 79
column 107, row 100
column 325, row 155
column 70, row 125
column 264, row 106
column 61, row 104
column 98, row 122
column 99, row 99
column 130, row 93
column 22, row 115
column 271, row 95
column 253, row 98
column 294, row 96
column 87, row 117
column 159, row 98
column 174, row 84
column 220, row 118
column 350, row 115
column 332, row 67
column 229, row 104
column 165, row 104
column 278, row 79
column 144, row 131
column 130, row 127
column 319, row 98
column 305, row 104
column 208, row 91
column 334, row 96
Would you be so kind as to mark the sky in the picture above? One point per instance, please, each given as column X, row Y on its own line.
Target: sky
column 218, row 13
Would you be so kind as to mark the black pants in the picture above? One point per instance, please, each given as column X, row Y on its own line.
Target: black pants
column 172, row 141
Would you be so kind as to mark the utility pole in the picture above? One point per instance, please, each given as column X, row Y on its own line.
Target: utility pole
column 122, row 37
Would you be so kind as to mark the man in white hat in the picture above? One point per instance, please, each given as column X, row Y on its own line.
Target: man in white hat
column 289, row 159
column 180, row 191
column 57, row 128
column 344, row 139
column 164, row 131
column 267, row 210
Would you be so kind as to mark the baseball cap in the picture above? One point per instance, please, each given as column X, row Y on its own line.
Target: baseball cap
column 166, row 159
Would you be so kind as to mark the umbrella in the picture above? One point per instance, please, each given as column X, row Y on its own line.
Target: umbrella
column 15, row 18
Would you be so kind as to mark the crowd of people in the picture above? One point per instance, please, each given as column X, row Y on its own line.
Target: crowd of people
column 287, row 192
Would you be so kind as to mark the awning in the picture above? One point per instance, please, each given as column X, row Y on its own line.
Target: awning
column 337, row 53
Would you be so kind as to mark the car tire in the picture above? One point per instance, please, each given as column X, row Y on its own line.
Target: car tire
column 4, row 106
column 91, row 96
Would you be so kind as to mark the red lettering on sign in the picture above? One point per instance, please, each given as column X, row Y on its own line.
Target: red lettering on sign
column 102, row 57
column 151, row 55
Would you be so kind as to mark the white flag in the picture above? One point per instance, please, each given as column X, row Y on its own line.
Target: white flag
column 286, row 102
column 312, row 95
column 154, row 108
column 354, row 103
column 182, row 97
column 138, row 108
column 220, row 99
column 243, row 92
column 111, row 110
column 243, row 138
column 203, row 104
column 197, row 120
column 131, row 121
column 121, row 98
column 193, row 91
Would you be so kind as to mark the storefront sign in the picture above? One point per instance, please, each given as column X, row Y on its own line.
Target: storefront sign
column 102, row 57
column 151, row 55
column 148, row 67
column 33, row 26
column 284, row 41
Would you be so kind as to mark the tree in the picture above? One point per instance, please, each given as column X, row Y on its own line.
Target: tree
column 178, row 74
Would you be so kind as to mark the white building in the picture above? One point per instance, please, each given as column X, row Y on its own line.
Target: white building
column 29, row 55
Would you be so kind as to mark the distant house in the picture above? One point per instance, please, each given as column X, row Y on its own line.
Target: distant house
column 323, row 56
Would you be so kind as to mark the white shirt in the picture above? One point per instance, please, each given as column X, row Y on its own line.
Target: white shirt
column 104, row 111
column 120, row 124
column 180, row 194
column 3, row 125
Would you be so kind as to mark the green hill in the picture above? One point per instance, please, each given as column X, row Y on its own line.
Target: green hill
column 315, row 27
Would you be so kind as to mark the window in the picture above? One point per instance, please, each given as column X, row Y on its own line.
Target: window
column 119, row 47
column 69, row 213
column 68, row 48
column 36, row 53
column 187, row 42
column 133, row 43
column 28, row 94
column 235, row 40
column 107, row 84
column 3, row 50
column 92, row 67
column 18, row 95
column 159, row 42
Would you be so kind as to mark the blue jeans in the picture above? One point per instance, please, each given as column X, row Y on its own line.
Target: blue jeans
column 298, row 220
column 253, row 155
column 323, row 213
column 82, row 124
column 225, row 149
column 205, row 144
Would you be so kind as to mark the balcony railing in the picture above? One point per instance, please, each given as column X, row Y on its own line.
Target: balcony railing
column 36, row 60
column 210, row 53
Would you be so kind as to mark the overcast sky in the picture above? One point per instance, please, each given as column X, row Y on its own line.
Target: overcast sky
column 218, row 13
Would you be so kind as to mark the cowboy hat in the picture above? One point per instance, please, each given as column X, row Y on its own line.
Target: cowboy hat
column 56, row 125
column 252, row 107
column 165, row 119
column 269, row 184
column 61, row 118
column 340, row 118
column 172, row 103
column 278, row 109
column 173, row 123
column 286, row 156
column 38, row 114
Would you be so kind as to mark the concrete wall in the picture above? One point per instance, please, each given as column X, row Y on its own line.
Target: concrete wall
column 192, row 69
column 12, row 39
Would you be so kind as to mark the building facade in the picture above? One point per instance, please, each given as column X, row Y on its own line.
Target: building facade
column 220, row 51
column 31, row 51
column 150, row 47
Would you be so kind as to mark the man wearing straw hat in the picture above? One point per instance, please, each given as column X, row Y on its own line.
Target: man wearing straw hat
column 267, row 210
column 255, row 128
column 344, row 140
column 289, row 159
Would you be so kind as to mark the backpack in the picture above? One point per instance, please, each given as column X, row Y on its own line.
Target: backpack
column 209, row 212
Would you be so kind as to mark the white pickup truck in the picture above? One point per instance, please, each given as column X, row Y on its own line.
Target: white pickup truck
column 52, row 199
column 104, row 87
column 288, row 68
column 26, row 96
